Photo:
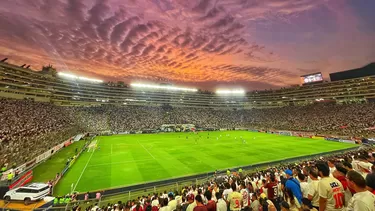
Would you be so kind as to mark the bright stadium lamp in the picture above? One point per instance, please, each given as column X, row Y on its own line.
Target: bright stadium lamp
column 153, row 86
column 74, row 77
column 230, row 92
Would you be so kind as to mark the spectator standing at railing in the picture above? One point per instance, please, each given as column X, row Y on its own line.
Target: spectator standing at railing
column 98, row 195
column 87, row 195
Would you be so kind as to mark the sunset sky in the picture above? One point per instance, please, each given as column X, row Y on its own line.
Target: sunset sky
column 255, row 44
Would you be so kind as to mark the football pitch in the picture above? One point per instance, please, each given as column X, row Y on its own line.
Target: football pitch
column 122, row 160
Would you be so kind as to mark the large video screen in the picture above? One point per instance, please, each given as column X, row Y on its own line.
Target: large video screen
column 312, row 78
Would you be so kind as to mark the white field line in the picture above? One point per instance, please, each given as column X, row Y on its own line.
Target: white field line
column 146, row 150
column 80, row 176
column 129, row 161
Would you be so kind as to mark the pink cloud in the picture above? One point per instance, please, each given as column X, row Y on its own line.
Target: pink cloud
column 201, row 40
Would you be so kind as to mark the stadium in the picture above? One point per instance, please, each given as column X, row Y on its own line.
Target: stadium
column 146, row 138
column 218, row 106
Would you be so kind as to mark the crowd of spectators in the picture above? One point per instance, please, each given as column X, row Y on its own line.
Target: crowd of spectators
column 351, row 119
column 334, row 183
column 29, row 128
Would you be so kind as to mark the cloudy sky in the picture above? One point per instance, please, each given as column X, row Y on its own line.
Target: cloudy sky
column 255, row 44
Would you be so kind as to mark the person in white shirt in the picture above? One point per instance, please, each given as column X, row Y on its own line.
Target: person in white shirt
column 165, row 195
column 215, row 189
column 245, row 196
column 331, row 191
column 331, row 164
column 200, row 192
column 313, row 193
column 155, row 201
column 164, row 205
column 194, row 191
column 95, row 207
column 172, row 202
column 304, row 185
column 363, row 200
column 255, row 205
column 227, row 191
column 355, row 164
column 253, row 183
column 192, row 203
column 364, row 167
column 221, row 205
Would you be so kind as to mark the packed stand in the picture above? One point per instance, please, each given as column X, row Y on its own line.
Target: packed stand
column 30, row 128
column 351, row 120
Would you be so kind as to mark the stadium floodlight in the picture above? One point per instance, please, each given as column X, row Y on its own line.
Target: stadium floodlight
column 173, row 88
column 74, row 77
column 230, row 92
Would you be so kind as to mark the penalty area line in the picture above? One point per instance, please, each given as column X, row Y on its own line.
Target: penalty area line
column 80, row 176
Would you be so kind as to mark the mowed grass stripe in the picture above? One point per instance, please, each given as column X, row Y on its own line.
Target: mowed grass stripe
column 132, row 159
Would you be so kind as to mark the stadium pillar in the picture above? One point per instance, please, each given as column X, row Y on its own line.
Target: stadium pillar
column 129, row 195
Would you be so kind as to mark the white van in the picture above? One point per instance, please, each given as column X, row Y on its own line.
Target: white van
column 28, row 193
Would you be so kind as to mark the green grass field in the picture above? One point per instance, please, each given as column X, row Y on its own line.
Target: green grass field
column 123, row 160
column 48, row 169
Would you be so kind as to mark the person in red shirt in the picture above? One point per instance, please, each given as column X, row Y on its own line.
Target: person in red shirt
column 211, row 204
column 138, row 207
column 200, row 206
column 272, row 190
column 264, row 181
column 340, row 175
column 370, row 182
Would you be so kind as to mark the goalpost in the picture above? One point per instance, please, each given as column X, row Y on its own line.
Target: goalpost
column 92, row 146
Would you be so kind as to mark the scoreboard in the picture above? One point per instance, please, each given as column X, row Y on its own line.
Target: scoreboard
column 312, row 78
